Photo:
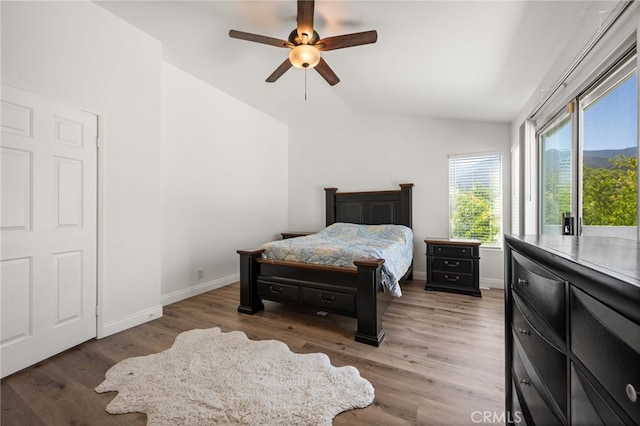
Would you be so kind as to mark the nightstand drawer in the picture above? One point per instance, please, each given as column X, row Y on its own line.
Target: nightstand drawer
column 452, row 251
column 542, row 289
column 462, row 266
column 454, row 279
column 277, row 291
column 612, row 357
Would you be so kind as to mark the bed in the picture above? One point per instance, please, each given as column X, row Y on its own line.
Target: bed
column 356, row 290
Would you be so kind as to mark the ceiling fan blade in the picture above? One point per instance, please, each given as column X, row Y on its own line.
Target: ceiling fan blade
column 305, row 18
column 327, row 73
column 279, row 71
column 259, row 38
column 347, row 40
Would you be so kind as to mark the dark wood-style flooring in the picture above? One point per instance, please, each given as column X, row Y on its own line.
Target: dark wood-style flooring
column 441, row 361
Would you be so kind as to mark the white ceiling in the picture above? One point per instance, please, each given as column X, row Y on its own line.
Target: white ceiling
column 472, row 60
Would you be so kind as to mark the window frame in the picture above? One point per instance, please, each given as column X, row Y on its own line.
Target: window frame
column 599, row 86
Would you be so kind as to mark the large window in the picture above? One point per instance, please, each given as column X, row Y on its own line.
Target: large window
column 475, row 198
column 589, row 159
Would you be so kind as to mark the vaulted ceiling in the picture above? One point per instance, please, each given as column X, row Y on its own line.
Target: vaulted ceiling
column 471, row 60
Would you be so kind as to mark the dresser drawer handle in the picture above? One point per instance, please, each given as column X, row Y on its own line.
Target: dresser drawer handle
column 522, row 281
column 275, row 290
column 523, row 331
column 525, row 382
column 452, row 280
column 452, row 265
column 324, row 299
column 632, row 394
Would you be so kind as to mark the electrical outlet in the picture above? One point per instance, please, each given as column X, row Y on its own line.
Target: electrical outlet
column 200, row 274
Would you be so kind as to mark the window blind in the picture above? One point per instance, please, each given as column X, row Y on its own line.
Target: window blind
column 475, row 198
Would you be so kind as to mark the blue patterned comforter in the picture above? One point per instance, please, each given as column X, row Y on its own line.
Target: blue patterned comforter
column 342, row 243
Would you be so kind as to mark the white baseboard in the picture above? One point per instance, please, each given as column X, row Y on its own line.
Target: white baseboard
column 113, row 327
column 491, row 283
column 417, row 275
column 186, row 293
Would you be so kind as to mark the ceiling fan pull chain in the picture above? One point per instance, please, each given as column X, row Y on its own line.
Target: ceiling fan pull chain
column 305, row 84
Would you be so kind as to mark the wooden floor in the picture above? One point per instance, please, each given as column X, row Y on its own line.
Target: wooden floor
column 441, row 363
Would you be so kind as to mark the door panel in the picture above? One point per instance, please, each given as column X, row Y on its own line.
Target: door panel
column 48, row 228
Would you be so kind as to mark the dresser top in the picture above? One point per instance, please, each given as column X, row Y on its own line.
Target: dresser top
column 617, row 257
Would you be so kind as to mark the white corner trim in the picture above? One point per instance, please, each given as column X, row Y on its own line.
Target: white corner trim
column 186, row 293
column 116, row 326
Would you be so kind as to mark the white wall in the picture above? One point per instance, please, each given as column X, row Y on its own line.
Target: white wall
column 79, row 53
column 359, row 152
column 224, row 183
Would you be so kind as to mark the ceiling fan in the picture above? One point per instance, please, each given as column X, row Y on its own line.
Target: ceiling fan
column 306, row 44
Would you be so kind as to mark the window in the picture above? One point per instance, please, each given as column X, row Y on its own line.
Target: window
column 556, row 166
column 475, row 198
column 589, row 159
column 515, row 190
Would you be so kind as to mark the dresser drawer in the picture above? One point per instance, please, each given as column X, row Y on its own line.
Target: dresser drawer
column 462, row 266
column 277, row 291
column 330, row 300
column 452, row 251
column 534, row 409
column 453, row 279
column 542, row 289
column 608, row 345
column 549, row 362
column 516, row 416
column 588, row 408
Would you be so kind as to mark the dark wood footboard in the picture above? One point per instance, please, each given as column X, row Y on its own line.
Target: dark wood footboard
column 346, row 291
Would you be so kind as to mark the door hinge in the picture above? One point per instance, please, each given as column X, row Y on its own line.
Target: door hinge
column 97, row 310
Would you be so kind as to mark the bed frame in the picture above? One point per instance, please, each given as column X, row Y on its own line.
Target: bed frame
column 346, row 291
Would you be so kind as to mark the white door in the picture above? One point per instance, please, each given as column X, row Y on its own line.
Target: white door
column 48, row 228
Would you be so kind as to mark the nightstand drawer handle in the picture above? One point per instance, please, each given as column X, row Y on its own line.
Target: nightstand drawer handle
column 522, row 281
column 524, row 382
column 632, row 394
column 452, row 265
column 275, row 290
column 324, row 299
column 452, row 279
column 523, row 331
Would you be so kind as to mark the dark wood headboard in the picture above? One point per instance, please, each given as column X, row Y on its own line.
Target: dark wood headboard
column 370, row 208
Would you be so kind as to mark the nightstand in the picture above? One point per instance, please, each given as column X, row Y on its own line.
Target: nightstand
column 453, row 265
column 287, row 235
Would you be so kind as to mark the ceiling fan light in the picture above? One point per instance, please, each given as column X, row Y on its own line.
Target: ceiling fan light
column 304, row 56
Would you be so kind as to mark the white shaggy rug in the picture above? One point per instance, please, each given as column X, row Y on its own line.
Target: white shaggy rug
column 209, row 377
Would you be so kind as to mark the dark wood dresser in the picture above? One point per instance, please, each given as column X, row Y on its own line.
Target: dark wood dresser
column 572, row 334
column 453, row 265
